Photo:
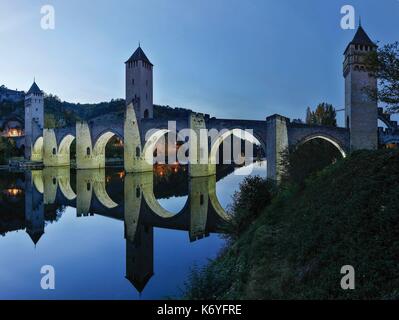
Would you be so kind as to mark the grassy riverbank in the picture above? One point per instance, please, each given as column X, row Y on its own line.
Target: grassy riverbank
column 347, row 214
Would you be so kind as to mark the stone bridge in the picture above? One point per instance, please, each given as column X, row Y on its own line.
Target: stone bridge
column 275, row 134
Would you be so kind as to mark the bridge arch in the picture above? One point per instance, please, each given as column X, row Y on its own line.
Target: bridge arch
column 238, row 132
column 149, row 147
column 325, row 137
column 102, row 141
column 65, row 144
column 37, row 150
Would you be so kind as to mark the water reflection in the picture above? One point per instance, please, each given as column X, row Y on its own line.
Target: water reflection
column 31, row 200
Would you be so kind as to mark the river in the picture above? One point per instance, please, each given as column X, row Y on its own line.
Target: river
column 108, row 234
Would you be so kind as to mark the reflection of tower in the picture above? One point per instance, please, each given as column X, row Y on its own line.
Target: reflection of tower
column 139, row 84
column 34, row 210
column 139, row 257
column 34, row 117
column 360, row 110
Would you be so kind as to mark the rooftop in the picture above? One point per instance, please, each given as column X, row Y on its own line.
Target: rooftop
column 361, row 38
column 139, row 55
column 34, row 89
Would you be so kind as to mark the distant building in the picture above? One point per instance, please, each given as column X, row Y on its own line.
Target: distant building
column 12, row 127
column 10, row 95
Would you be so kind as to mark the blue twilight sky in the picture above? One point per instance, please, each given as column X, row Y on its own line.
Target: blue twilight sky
column 229, row 58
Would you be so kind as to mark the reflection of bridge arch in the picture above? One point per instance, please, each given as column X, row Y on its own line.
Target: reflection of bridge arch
column 237, row 132
column 215, row 201
column 200, row 189
column 48, row 181
column 37, row 177
column 147, row 190
column 88, row 181
column 201, row 212
column 324, row 137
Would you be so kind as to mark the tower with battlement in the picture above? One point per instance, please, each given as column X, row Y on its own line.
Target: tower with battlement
column 361, row 111
column 34, row 117
column 139, row 84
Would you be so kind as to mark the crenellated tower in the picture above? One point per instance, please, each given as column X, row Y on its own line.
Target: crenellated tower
column 34, row 117
column 361, row 111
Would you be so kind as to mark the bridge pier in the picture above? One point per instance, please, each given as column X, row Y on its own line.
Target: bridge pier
column 55, row 155
column 134, row 157
column 133, row 195
column 276, row 145
column 198, row 156
column 86, row 157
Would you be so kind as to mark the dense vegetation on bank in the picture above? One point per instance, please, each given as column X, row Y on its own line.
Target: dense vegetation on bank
column 61, row 113
column 346, row 214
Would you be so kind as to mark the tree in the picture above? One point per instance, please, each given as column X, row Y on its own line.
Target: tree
column 324, row 114
column 49, row 121
column 309, row 116
column 384, row 64
column 7, row 149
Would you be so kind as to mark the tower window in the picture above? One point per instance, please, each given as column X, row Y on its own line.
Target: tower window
column 88, row 151
column 201, row 199
column 138, row 192
column 146, row 114
column 54, row 151
column 138, row 152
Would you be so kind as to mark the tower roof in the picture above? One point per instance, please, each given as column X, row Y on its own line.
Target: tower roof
column 35, row 235
column 139, row 55
column 34, row 89
column 361, row 38
column 139, row 283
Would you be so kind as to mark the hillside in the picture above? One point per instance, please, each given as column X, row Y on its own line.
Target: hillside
column 61, row 113
column 347, row 214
